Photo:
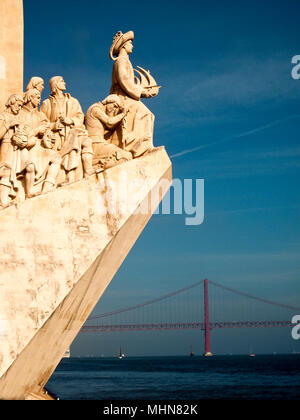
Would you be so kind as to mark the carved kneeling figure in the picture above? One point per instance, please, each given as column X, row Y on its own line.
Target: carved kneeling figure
column 101, row 119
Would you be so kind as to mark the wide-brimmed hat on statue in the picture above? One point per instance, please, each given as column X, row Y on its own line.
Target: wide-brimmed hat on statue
column 118, row 41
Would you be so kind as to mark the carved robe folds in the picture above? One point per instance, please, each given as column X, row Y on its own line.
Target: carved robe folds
column 13, row 158
column 68, row 107
column 136, row 131
column 73, row 142
column 46, row 160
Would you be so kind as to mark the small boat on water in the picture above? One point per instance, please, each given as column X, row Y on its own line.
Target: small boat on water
column 251, row 353
column 191, row 352
column 67, row 354
column 121, row 355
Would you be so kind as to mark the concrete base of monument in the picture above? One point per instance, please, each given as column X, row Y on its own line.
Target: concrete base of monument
column 58, row 253
column 43, row 395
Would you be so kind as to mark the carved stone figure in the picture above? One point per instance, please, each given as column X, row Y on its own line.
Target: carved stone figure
column 15, row 160
column 66, row 117
column 30, row 114
column 46, row 148
column 36, row 83
column 47, row 163
column 8, row 121
column 136, row 131
column 43, row 154
column 101, row 120
column 62, row 110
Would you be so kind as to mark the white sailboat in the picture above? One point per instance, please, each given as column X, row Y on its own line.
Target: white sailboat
column 121, row 355
column 67, row 354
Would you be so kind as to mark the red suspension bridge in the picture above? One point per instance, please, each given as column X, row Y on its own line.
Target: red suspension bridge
column 193, row 307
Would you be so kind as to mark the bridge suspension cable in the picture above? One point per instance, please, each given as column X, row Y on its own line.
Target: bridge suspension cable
column 270, row 302
column 149, row 302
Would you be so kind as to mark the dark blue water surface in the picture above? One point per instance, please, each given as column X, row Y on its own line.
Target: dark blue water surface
column 178, row 378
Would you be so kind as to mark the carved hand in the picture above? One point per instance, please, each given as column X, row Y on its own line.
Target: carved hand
column 124, row 111
column 13, row 122
column 43, row 128
column 69, row 121
column 66, row 121
column 58, row 126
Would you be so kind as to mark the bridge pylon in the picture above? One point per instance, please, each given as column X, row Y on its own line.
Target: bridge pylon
column 207, row 351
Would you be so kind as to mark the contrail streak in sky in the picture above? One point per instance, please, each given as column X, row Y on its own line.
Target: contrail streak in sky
column 236, row 136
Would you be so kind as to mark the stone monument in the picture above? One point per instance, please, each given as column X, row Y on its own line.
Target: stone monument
column 11, row 48
column 76, row 191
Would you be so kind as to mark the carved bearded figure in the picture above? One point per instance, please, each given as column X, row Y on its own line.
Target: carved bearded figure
column 136, row 132
column 66, row 117
column 30, row 114
column 46, row 159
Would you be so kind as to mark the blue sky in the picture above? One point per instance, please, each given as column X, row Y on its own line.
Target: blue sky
column 227, row 91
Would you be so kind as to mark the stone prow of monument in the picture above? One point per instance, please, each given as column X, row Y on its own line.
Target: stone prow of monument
column 76, row 191
column 59, row 251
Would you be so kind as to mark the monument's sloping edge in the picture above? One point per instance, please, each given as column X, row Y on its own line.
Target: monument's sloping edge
column 48, row 242
column 34, row 365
